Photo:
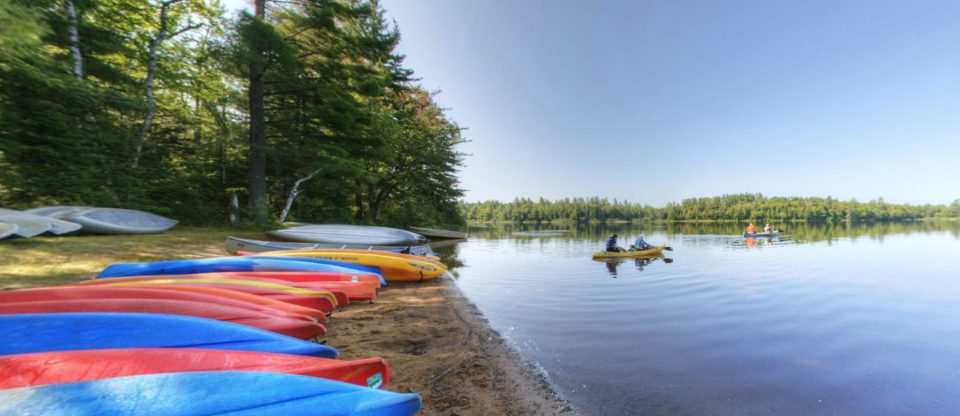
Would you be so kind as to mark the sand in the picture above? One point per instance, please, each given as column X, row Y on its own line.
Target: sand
column 438, row 344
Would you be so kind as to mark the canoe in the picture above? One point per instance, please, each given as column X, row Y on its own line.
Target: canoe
column 348, row 234
column 773, row 234
column 28, row 370
column 439, row 234
column 422, row 257
column 264, row 301
column 319, row 303
column 27, row 225
column 235, row 244
column 45, row 332
column 101, row 292
column 207, row 393
column 230, row 264
column 56, row 211
column 116, row 221
column 398, row 267
column 197, row 279
column 292, row 327
column 642, row 253
column 7, row 229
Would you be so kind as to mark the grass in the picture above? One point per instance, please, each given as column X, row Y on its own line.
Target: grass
column 57, row 260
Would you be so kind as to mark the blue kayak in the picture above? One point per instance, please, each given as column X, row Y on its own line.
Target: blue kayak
column 44, row 332
column 230, row 264
column 207, row 393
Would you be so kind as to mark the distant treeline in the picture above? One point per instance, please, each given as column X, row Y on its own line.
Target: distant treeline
column 719, row 208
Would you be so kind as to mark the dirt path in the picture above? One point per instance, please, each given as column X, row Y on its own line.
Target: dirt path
column 438, row 344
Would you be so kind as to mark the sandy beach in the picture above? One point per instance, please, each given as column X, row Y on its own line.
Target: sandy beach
column 438, row 344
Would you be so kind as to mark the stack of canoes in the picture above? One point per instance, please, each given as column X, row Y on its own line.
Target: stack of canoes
column 62, row 220
column 207, row 336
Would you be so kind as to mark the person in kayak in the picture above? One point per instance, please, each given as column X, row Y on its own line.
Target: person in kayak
column 751, row 229
column 612, row 244
column 768, row 229
column 639, row 244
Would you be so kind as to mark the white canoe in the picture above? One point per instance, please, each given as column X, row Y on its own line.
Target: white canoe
column 7, row 229
column 33, row 225
column 119, row 221
column 235, row 244
column 772, row 234
column 348, row 234
column 441, row 234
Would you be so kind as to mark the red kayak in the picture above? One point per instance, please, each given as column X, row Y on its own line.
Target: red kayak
column 109, row 292
column 342, row 299
column 26, row 370
column 297, row 328
column 320, row 303
column 312, row 276
column 241, row 296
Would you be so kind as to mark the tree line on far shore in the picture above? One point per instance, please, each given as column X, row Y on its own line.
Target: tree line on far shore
column 175, row 106
column 755, row 207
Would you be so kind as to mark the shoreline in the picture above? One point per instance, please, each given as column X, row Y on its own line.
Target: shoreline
column 438, row 343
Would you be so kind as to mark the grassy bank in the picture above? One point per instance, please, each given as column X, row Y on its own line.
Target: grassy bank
column 50, row 260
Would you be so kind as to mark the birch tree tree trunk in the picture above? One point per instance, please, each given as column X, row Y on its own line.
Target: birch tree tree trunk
column 294, row 191
column 74, row 39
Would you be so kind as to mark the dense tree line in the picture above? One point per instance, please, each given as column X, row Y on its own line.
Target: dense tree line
column 727, row 207
column 172, row 106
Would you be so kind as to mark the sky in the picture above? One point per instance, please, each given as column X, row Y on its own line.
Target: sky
column 657, row 101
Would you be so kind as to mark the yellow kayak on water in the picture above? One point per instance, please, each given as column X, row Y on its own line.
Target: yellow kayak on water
column 651, row 252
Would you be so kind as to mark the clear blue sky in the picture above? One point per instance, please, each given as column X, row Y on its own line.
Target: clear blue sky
column 853, row 99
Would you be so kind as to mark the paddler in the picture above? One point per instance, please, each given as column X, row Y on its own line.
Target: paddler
column 768, row 229
column 640, row 244
column 751, row 229
column 612, row 245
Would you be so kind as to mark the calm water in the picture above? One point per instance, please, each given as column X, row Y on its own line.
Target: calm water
column 832, row 320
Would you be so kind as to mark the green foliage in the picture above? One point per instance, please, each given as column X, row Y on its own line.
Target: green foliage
column 753, row 207
column 337, row 98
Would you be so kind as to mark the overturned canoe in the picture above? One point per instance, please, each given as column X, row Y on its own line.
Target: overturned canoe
column 7, row 229
column 235, row 244
column 119, row 221
column 27, row 370
column 207, row 393
column 348, row 234
column 641, row 253
column 439, row 234
column 28, row 225
column 45, row 332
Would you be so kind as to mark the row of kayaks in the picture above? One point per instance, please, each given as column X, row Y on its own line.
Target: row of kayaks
column 203, row 336
column 61, row 220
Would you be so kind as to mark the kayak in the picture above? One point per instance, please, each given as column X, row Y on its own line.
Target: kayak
column 771, row 234
column 207, row 393
column 235, row 244
column 312, row 277
column 178, row 279
column 430, row 258
column 231, row 264
column 394, row 268
column 292, row 327
column 266, row 302
column 320, row 303
column 7, row 229
column 27, row 370
column 344, row 292
column 46, row 332
column 642, row 253
column 101, row 292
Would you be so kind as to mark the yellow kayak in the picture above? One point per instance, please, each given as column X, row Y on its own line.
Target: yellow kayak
column 642, row 253
column 172, row 280
column 395, row 267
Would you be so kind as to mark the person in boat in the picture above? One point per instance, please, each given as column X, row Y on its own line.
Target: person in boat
column 768, row 229
column 612, row 245
column 640, row 245
column 751, row 229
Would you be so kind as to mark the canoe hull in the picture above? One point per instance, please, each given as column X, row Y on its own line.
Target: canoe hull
column 773, row 234
column 348, row 234
column 234, row 244
column 629, row 254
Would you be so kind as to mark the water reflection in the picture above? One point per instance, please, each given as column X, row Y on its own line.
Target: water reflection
column 637, row 263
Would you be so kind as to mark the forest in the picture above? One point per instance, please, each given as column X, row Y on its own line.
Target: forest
column 301, row 110
column 735, row 207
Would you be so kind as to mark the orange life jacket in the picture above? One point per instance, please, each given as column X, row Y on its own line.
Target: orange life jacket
column 751, row 229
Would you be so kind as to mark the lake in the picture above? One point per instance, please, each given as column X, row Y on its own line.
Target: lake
column 827, row 319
